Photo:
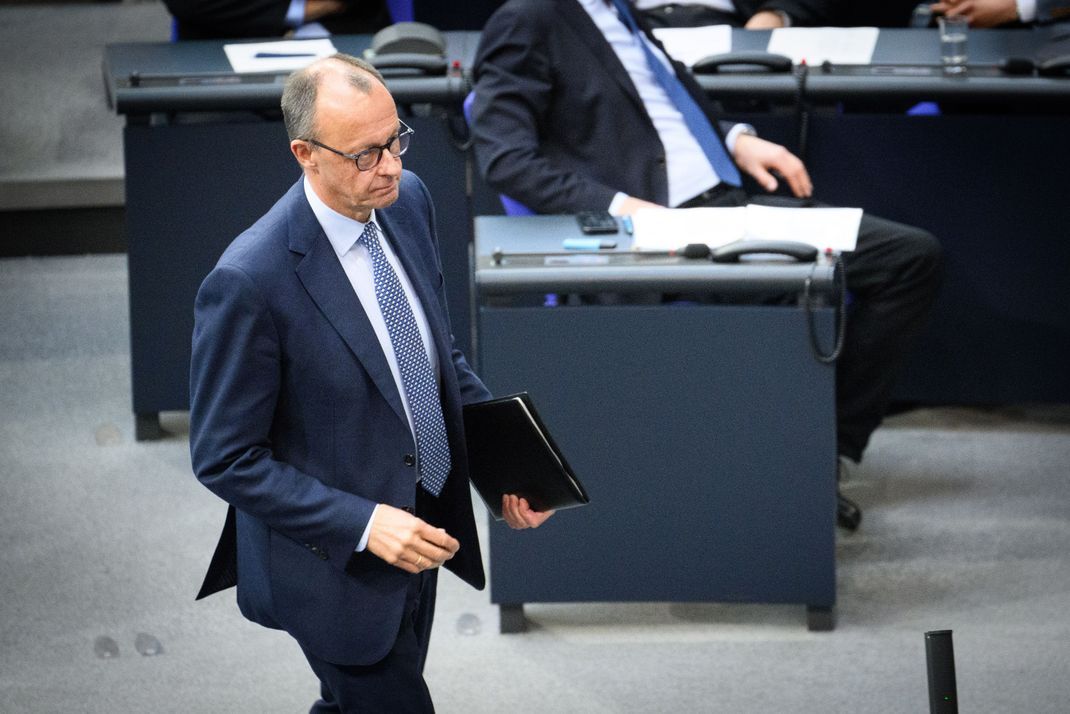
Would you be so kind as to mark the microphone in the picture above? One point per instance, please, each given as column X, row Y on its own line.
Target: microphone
column 940, row 661
column 693, row 251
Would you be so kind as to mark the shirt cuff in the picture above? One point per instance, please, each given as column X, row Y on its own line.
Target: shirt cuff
column 367, row 532
column 1027, row 10
column 733, row 134
column 614, row 205
column 295, row 15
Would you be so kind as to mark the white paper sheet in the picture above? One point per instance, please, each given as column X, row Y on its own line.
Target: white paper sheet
column 838, row 45
column 690, row 44
column 666, row 229
column 824, row 228
column 295, row 54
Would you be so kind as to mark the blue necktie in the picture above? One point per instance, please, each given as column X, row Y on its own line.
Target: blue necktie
column 694, row 117
column 417, row 377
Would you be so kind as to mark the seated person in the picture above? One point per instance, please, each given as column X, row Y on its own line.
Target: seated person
column 992, row 13
column 203, row 19
column 751, row 14
column 578, row 108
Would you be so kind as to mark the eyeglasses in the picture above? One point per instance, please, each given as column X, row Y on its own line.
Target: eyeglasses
column 369, row 158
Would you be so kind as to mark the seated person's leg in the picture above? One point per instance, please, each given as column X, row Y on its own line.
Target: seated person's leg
column 893, row 277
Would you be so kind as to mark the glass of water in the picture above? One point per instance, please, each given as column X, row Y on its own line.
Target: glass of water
column 953, row 43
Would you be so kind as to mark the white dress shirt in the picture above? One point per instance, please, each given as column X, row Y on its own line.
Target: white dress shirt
column 343, row 233
column 689, row 171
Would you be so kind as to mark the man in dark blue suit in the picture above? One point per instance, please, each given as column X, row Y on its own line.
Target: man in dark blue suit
column 326, row 400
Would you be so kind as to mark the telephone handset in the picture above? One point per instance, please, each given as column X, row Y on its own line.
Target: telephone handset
column 742, row 62
column 732, row 252
column 408, row 48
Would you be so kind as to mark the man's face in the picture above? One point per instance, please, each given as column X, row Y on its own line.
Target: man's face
column 350, row 120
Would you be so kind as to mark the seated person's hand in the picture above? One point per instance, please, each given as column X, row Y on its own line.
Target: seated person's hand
column 759, row 158
column 518, row 514
column 980, row 13
column 319, row 9
column 765, row 20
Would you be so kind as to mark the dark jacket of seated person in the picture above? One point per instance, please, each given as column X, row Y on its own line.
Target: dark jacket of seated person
column 206, row 19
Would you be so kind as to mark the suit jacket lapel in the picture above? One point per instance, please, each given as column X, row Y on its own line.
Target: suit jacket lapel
column 579, row 22
column 327, row 284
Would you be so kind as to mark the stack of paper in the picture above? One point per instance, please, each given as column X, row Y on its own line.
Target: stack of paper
column 666, row 229
column 691, row 44
column 280, row 56
column 815, row 45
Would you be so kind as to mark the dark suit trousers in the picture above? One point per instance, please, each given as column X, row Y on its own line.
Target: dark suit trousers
column 892, row 276
column 395, row 683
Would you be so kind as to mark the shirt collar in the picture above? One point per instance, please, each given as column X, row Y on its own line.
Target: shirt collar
column 342, row 231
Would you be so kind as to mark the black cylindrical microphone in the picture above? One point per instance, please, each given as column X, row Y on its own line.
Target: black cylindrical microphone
column 691, row 250
column 940, row 660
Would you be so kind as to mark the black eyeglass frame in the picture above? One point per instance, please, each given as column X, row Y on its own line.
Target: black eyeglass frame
column 403, row 138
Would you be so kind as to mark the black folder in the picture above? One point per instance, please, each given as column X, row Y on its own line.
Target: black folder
column 510, row 451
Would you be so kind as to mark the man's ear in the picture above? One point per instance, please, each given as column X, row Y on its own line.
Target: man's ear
column 302, row 151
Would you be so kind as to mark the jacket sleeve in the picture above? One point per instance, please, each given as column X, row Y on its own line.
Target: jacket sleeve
column 514, row 87
column 234, row 388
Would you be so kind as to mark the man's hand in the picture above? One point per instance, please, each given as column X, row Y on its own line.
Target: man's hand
column 406, row 542
column 765, row 20
column 980, row 13
column 518, row 514
column 759, row 157
column 319, row 9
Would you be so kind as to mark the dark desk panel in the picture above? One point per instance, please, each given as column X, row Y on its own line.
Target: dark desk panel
column 705, row 434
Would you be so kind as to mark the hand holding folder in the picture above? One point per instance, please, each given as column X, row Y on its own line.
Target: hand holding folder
column 510, row 452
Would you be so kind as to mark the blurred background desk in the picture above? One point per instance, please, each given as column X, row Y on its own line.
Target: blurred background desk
column 986, row 174
column 206, row 154
column 704, row 433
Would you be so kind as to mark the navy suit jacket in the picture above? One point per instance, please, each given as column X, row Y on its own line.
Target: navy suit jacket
column 296, row 421
column 557, row 122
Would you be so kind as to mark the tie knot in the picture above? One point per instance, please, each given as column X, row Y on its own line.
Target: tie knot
column 369, row 235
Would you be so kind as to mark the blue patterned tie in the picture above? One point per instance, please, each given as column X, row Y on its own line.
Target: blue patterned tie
column 694, row 117
column 417, row 377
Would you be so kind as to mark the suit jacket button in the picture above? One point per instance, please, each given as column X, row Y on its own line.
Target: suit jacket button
column 410, row 460
column 323, row 555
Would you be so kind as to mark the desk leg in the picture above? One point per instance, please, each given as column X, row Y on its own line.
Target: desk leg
column 512, row 619
column 820, row 619
column 147, row 426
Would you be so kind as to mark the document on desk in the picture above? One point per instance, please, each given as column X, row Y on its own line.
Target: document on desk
column 278, row 56
column 691, row 44
column 667, row 229
column 836, row 45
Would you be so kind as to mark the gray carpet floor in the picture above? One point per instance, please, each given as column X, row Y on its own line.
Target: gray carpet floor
column 103, row 541
column 62, row 143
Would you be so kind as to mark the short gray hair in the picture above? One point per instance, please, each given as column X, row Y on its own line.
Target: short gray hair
column 299, row 92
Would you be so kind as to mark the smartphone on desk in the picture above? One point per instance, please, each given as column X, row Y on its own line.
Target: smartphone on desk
column 597, row 222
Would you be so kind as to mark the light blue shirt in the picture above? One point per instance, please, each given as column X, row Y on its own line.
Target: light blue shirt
column 689, row 171
column 343, row 233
